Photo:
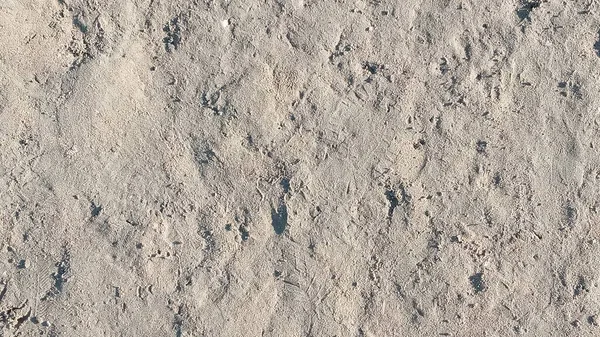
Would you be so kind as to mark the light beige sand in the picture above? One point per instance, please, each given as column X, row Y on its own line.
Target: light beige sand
column 299, row 168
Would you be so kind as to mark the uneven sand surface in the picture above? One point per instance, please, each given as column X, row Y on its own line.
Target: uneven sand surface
column 299, row 168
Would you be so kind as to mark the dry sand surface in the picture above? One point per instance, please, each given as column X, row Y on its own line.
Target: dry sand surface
column 299, row 168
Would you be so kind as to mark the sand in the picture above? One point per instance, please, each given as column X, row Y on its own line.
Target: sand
column 299, row 168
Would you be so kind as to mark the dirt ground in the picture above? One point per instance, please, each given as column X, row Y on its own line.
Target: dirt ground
column 299, row 168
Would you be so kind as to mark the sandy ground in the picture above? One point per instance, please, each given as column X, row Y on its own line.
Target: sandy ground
column 299, row 168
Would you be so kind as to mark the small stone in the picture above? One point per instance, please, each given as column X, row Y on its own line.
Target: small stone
column 593, row 320
column 477, row 282
column 481, row 146
column 23, row 264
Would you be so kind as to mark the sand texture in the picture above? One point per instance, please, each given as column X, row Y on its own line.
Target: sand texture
column 299, row 168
